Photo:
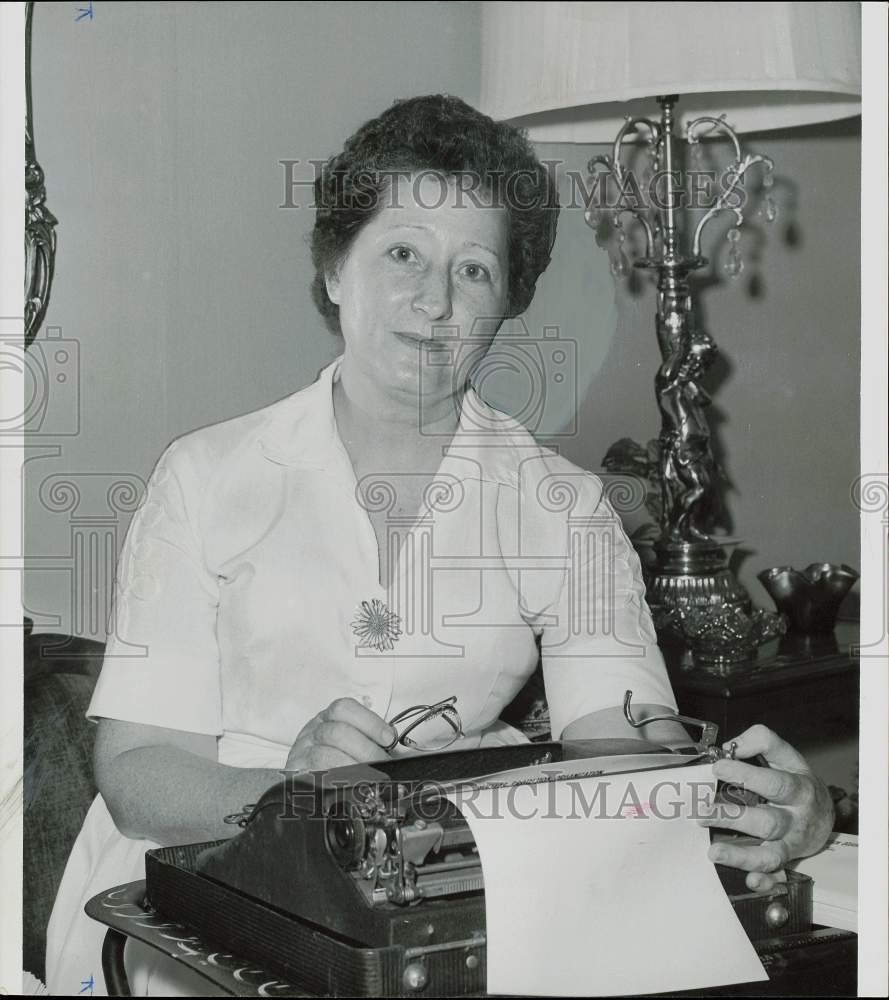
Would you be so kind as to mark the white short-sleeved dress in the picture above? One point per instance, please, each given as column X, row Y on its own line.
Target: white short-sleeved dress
column 245, row 598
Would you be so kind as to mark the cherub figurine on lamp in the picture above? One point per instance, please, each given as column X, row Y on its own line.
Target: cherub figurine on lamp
column 687, row 466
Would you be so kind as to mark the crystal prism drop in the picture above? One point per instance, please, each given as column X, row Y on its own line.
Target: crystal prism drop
column 734, row 263
column 624, row 263
column 619, row 264
column 770, row 209
column 645, row 181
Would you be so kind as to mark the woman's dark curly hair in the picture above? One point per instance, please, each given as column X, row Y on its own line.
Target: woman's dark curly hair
column 445, row 135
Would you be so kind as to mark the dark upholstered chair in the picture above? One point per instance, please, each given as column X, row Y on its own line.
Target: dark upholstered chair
column 59, row 674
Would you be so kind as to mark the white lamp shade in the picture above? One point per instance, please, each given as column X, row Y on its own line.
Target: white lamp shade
column 570, row 72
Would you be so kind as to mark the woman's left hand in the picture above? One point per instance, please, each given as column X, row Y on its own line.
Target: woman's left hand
column 794, row 822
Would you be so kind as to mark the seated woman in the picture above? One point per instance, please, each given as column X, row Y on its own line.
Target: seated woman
column 277, row 597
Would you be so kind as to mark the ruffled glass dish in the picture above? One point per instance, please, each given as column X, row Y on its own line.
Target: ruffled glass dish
column 811, row 599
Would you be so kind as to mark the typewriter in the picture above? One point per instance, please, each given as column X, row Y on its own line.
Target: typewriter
column 366, row 881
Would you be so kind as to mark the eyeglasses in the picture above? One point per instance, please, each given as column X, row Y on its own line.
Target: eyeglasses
column 427, row 728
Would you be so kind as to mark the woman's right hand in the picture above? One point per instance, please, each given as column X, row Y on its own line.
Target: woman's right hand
column 343, row 733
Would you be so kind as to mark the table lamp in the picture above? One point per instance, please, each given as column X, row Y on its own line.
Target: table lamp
column 594, row 73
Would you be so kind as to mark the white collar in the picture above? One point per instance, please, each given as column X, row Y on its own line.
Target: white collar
column 302, row 432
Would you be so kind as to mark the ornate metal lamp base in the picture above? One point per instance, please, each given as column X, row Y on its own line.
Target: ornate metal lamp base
column 694, row 575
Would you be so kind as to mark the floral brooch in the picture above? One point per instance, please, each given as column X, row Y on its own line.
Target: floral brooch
column 376, row 626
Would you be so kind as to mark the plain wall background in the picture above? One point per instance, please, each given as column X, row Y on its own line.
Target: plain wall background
column 160, row 128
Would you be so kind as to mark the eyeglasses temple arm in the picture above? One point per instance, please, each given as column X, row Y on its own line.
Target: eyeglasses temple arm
column 709, row 730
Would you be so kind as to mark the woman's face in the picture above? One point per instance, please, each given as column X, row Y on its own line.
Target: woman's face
column 431, row 264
